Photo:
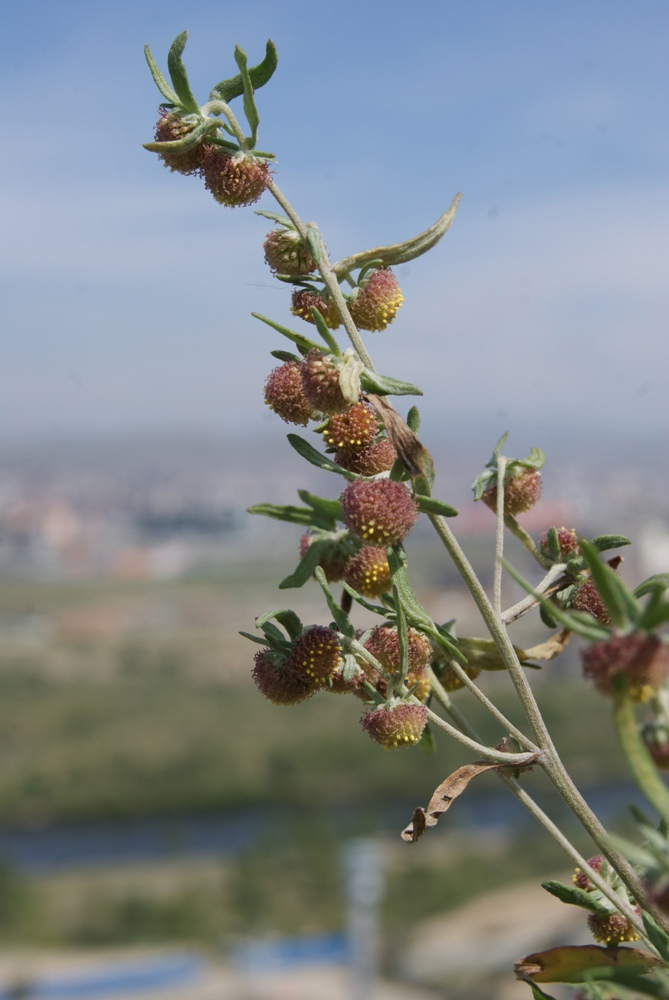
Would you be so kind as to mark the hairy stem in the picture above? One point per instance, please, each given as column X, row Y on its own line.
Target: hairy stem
column 499, row 537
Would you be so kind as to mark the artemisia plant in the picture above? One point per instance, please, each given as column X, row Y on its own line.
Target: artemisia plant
column 406, row 669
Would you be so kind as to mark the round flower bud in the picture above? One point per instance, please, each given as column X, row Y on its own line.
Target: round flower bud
column 642, row 659
column 320, row 382
column 316, row 654
column 581, row 878
column 384, row 645
column 394, row 726
column 333, row 566
column 567, row 543
column 351, row 431
column 377, row 457
column 612, row 928
column 285, row 253
column 378, row 511
column 376, row 303
column 235, row 180
column 277, row 682
column 284, row 394
column 586, row 598
column 368, row 572
column 304, row 300
column 520, row 493
column 169, row 128
column 450, row 680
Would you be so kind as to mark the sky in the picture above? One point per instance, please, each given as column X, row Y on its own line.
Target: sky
column 127, row 291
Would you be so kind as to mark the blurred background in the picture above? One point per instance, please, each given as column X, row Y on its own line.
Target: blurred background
column 163, row 830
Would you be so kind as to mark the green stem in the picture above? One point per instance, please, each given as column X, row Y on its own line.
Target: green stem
column 550, row 761
column 526, row 539
column 499, row 537
column 639, row 760
column 543, row 819
column 327, row 274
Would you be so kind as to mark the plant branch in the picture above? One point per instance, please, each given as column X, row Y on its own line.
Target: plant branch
column 499, row 537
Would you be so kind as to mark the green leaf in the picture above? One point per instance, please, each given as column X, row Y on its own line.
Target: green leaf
column 604, row 542
column 306, row 516
column 250, row 109
column 656, row 936
column 308, row 451
column 315, row 244
column 430, row 505
column 581, row 624
column 376, row 609
column 306, row 566
column 384, row 385
column 572, row 894
column 253, row 638
column 341, row 619
column 537, row 992
column 618, row 600
column 649, row 585
column 285, row 617
column 329, row 508
column 227, row 90
column 285, row 356
column 158, row 78
column 178, row 75
column 302, row 342
column 656, row 611
column 546, row 617
column 413, row 419
column 325, row 332
column 283, row 220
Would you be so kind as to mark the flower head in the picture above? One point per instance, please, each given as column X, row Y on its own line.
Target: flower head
column 378, row 511
column 377, row 300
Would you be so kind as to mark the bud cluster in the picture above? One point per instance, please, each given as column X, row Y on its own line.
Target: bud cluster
column 289, row 676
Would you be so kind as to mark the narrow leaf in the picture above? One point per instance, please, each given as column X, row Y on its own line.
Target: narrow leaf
column 227, row 90
column 285, row 356
column 315, row 243
column 582, row 624
column 285, row 617
column 306, row 516
column 250, row 109
column 325, row 332
column 305, row 568
column 537, row 992
column 253, row 638
column 583, row 963
column 572, row 894
column 620, row 603
column 604, row 542
column 430, row 505
column 178, row 74
column 385, row 385
column 413, row 419
column 340, row 617
column 158, row 78
column 661, row 579
column 302, row 342
column 656, row 611
column 329, row 508
column 656, row 936
column 308, row 451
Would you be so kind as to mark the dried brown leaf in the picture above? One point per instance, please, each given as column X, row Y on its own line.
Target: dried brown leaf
column 578, row 963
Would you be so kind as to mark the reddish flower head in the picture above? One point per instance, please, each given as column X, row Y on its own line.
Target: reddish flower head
column 379, row 456
column 171, row 127
column 394, row 726
column 642, row 659
column 286, row 254
column 315, row 655
column 520, row 493
column 376, row 303
column 304, row 300
column 581, row 878
column 277, row 682
column 567, row 543
column 378, row 511
column 612, row 928
column 384, row 645
column 586, row 598
column 368, row 572
column 234, row 180
column 284, row 394
column 352, row 430
column 320, row 382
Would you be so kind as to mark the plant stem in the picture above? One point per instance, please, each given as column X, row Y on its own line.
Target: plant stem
column 499, row 537
column 487, row 753
column 550, row 761
column 639, row 760
column 526, row 539
column 328, row 276
column 548, row 583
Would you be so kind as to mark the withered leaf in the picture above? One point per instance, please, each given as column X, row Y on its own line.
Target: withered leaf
column 416, row 458
column 551, row 648
column 578, row 963
column 444, row 795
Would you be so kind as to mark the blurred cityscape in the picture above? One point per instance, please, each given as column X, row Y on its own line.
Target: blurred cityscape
column 164, row 832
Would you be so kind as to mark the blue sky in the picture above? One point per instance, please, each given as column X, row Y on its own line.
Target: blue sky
column 127, row 291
